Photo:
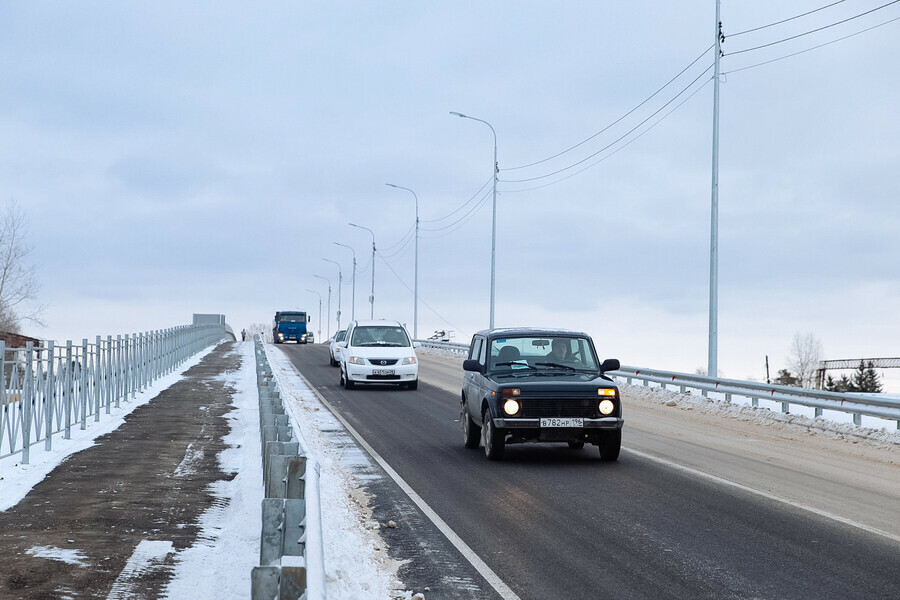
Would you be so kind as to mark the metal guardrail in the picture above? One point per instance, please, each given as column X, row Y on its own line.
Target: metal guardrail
column 291, row 519
column 48, row 390
column 853, row 403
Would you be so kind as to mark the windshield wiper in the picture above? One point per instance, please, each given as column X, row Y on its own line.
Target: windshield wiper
column 513, row 363
column 557, row 365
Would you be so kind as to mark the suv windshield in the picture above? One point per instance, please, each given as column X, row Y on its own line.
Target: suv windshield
column 544, row 354
column 379, row 335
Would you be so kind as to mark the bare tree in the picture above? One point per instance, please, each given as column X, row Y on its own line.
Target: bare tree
column 18, row 280
column 806, row 353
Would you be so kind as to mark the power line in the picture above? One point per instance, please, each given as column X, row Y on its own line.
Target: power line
column 463, row 219
column 786, row 20
column 463, row 205
column 616, row 121
column 622, row 147
column 623, row 136
column 818, row 29
column 813, row 48
column 403, row 283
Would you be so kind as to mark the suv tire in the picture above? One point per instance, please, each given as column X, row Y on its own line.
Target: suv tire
column 471, row 432
column 494, row 438
column 610, row 445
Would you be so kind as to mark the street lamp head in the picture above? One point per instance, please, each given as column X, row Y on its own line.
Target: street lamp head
column 458, row 114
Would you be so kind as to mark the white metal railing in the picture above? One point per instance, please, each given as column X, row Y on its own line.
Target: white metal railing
column 853, row 403
column 47, row 390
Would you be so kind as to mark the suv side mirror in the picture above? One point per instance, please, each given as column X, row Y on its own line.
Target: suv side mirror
column 610, row 364
column 471, row 364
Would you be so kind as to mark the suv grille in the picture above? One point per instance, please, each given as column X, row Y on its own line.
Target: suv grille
column 534, row 408
column 383, row 362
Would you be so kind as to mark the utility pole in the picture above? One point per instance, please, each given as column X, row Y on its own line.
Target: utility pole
column 712, row 367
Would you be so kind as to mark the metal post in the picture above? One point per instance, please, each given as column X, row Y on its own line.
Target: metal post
column 49, row 398
column 319, row 322
column 712, row 368
column 416, row 272
column 353, row 298
column 328, row 319
column 340, row 279
column 28, row 399
column 494, row 212
column 372, row 296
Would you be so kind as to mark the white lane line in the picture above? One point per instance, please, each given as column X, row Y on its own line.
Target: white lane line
column 492, row 578
column 147, row 556
column 763, row 494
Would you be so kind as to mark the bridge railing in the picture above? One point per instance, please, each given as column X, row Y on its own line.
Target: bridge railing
column 47, row 390
column 853, row 403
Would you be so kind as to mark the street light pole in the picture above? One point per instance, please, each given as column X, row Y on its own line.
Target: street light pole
column 494, row 218
column 416, row 276
column 712, row 366
column 328, row 320
column 340, row 279
column 372, row 296
column 319, row 322
column 353, row 298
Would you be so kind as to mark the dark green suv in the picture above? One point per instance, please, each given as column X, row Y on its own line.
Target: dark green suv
column 539, row 385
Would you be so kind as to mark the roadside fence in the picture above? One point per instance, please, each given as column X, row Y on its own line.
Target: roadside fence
column 45, row 391
column 853, row 403
column 291, row 555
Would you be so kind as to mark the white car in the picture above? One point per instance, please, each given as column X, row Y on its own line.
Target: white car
column 378, row 352
column 335, row 357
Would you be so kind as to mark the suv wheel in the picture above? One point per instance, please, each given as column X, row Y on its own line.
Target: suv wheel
column 471, row 432
column 610, row 445
column 348, row 384
column 494, row 438
column 412, row 385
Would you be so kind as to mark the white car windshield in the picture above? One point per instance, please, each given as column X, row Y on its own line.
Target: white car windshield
column 543, row 353
column 380, row 335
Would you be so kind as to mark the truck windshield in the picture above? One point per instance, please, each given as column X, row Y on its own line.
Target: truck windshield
column 293, row 318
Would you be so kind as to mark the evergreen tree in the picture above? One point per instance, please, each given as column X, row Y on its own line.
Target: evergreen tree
column 785, row 377
column 844, row 384
column 865, row 379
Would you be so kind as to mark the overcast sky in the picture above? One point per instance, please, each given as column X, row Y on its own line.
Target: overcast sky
column 174, row 158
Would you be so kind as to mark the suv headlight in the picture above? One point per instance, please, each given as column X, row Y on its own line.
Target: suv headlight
column 409, row 360
column 356, row 360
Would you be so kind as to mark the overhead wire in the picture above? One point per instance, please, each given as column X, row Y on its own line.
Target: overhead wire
column 617, row 121
column 620, row 138
column 462, row 220
column 622, row 147
column 761, row 27
column 811, row 31
column 812, row 48
column 463, row 205
column 403, row 283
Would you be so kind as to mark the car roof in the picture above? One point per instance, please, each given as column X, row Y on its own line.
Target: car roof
column 530, row 332
column 380, row 322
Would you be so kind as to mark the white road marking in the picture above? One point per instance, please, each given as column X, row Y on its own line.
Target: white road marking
column 148, row 555
column 492, row 578
column 763, row 494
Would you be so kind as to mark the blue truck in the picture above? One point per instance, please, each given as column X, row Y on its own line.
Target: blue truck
column 290, row 325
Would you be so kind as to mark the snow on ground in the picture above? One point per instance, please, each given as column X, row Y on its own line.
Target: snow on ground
column 357, row 565
column 16, row 479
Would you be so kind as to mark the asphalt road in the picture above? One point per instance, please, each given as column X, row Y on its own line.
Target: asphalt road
column 553, row 522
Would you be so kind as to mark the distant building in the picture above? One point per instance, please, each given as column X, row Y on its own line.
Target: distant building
column 17, row 340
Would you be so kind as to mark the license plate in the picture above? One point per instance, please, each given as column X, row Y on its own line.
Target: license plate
column 568, row 422
column 382, row 371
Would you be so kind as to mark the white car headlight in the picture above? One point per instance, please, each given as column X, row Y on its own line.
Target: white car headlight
column 409, row 360
column 356, row 360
